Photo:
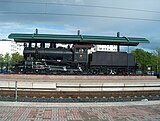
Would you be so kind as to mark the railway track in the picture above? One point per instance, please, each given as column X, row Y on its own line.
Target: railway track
column 70, row 96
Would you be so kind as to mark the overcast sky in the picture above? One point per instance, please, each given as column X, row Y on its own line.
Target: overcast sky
column 134, row 18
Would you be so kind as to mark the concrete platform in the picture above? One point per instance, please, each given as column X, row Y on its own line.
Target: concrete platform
column 79, row 86
column 128, row 111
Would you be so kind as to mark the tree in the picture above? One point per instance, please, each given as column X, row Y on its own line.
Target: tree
column 16, row 57
column 144, row 59
column 154, row 63
column 1, row 62
column 157, row 54
column 7, row 61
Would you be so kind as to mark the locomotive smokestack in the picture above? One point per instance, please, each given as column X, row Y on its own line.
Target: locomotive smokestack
column 118, row 34
column 78, row 33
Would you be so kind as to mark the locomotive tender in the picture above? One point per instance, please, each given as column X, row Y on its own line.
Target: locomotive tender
column 74, row 59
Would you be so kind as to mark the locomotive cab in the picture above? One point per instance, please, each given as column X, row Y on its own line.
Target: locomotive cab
column 81, row 53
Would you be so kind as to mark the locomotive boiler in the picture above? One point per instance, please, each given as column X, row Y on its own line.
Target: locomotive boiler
column 63, row 54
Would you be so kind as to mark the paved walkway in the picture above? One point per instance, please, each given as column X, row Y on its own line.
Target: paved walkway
column 123, row 111
column 76, row 78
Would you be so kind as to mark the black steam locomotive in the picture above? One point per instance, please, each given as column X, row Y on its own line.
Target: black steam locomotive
column 74, row 60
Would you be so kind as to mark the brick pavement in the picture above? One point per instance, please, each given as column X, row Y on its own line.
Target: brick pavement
column 76, row 112
column 73, row 78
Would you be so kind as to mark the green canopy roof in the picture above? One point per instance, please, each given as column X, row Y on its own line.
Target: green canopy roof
column 81, row 39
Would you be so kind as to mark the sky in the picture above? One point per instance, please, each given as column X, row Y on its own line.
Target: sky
column 132, row 18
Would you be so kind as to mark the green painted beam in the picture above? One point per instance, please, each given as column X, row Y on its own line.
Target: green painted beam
column 85, row 39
